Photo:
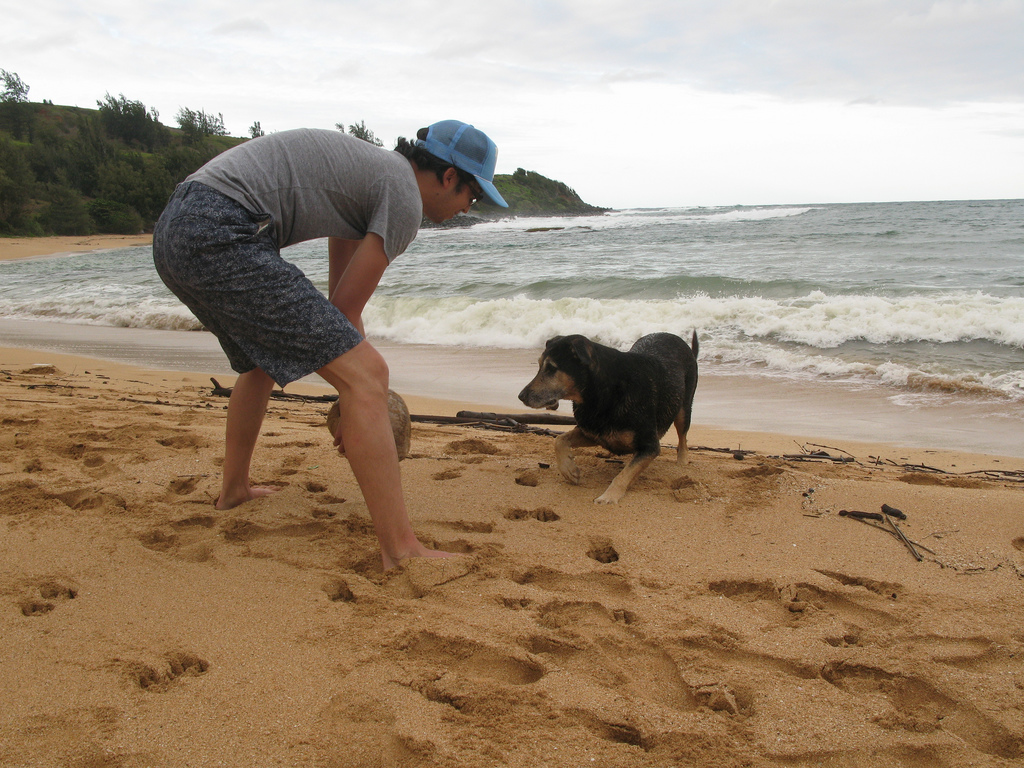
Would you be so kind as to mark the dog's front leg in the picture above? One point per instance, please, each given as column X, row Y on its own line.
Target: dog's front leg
column 564, row 444
column 624, row 479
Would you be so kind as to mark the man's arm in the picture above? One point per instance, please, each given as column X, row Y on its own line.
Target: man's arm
column 356, row 267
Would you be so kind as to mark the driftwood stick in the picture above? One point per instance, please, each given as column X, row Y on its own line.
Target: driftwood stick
column 818, row 456
column 860, row 515
column 904, row 539
column 925, row 468
column 826, row 447
column 502, row 425
column 522, row 418
column 736, row 452
column 430, row 419
column 219, row 391
column 884, row 529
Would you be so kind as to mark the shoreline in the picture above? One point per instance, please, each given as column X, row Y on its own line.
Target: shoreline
column 490, row 380
column 14, row 248
column 420, row 389
column 702, row 436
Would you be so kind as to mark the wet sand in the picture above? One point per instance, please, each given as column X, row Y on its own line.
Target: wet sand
column 33, row 247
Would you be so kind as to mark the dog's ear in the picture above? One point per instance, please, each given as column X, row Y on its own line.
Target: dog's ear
column 584, row 350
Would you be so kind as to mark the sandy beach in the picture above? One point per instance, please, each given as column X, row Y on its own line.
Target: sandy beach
column 29, row 247
column 723, row 615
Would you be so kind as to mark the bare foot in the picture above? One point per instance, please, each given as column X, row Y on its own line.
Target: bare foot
column 255, row 492
column 421, row 551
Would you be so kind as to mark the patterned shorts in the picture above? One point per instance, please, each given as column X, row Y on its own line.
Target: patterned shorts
column 224, row 265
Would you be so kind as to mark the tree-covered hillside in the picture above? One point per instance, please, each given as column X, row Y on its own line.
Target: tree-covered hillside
column 76, row 171
column 530, row 194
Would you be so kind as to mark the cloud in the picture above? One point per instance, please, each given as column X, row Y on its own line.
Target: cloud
column 243, row 27
column 629, row 101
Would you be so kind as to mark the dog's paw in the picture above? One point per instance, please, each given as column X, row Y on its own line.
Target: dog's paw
column 608, row 497
column 570, row 471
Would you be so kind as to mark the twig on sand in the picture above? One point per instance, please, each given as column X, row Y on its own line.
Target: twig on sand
column 499, row 422
column 884, row 529
column 818, row 456
column 826, row 448
column 219, row 391
column 522, row 418
column 889, row 516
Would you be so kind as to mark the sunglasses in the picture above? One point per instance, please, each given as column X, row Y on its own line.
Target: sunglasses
column 475, row 192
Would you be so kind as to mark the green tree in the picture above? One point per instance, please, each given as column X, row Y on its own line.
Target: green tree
column 141, row 182
column 15, row 89
column 360, row 131
column 256, row 130
column 66, row 213
column 180, row 160
column 198, row 125
column 15, row 111
column 130, row 122
column 114, row 218
column 16, row 182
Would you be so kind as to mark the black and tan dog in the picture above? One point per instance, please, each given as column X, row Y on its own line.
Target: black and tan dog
column 622, row 401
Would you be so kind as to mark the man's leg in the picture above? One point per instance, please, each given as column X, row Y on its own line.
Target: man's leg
column 246, row 409
column 361, row 378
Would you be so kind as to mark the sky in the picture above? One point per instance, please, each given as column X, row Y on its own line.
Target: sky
column 633, row 103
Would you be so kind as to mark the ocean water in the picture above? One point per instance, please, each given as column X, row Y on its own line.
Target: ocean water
column 915, row 298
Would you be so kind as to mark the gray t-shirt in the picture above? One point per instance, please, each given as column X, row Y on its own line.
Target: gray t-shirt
column 318, row 183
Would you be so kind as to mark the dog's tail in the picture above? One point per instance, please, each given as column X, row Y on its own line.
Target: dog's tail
column 694, row 344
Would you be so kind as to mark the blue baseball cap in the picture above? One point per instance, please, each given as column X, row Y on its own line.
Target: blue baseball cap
column 468, row 149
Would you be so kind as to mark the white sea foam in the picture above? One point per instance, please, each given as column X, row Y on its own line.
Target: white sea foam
column 781, row 337
column 159, row 314
column 815, row 320
column 751, row 214
column 625, row 219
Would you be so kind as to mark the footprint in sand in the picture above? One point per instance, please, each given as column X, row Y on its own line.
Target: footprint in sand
column 609, row 584
column 917, row 706
column 528, row 478
column 86, row 498
column 44, row 597
column 471, row 659
column 159, row 677
column 364, row 724
column 543, row 514
column 447, row 474
column 471, row 447
column 338, row 591
column 420, row 575
column 183, row 486
column 792, row 602
column 190, row 538
column 601, row 549
column 182, row 440
column 604, row 647
column 885, row 588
